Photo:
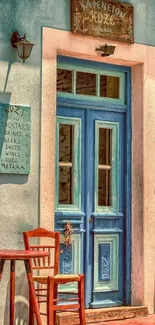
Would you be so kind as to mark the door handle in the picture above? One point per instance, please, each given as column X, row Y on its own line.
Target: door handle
column 90, row 220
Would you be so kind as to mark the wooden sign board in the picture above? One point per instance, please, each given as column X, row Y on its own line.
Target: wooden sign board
column 15, row 139
column 103, row 18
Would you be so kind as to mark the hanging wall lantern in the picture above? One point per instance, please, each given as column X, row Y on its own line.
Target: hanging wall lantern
column 106, row 50
column 23, row 46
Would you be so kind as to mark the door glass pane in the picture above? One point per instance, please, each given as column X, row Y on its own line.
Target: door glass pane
column 104, row 184
column 66, row 134
column 64, row 81
column 109, row 86
column 104, row 146
column 85, row 83
column 65, row 142
column 104, row 167
column 65, row 185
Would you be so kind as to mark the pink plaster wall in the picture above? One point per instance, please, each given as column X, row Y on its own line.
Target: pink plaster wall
column 141, row 59
column 137, row 187
column 48, row 119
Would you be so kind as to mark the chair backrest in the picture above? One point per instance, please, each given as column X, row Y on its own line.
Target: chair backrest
column 45, row 263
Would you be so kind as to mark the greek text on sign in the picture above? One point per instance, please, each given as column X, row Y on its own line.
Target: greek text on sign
column 15, row 139
column 104, row 18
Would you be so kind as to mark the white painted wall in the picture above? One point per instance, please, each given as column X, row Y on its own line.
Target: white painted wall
column 19, row 194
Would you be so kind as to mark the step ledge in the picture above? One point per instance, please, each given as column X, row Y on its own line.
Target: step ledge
column 103, row 314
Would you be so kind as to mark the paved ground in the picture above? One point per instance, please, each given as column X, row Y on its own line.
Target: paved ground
column 150, row 320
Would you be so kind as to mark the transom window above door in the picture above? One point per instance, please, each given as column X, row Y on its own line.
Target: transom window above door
column 90, row 83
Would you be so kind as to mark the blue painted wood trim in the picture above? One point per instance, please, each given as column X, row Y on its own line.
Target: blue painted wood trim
column 76, row 205
column 95, row 104
column 118, row 101
column 106, row 215
column 66, row 262
column 73, row 222
column 115, row 127
column 104, row 271
column 75, row 230
column 127, row 128
column 128, row 191
column 98, row 70
column 91, row 64
column 106, row 303
column 107, row 231
column 69, row 214
column 89, row 208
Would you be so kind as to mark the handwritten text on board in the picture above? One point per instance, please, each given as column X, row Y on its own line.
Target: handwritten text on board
column 15, row 139
column 105, row 18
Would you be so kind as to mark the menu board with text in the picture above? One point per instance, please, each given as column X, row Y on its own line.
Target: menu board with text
column 15, row 139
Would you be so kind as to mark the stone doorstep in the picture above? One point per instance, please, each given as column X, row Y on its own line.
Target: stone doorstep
column 102, row 315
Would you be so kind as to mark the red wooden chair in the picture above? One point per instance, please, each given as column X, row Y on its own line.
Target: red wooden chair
column 47, row 286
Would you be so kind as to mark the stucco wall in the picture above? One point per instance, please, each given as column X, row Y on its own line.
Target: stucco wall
column 29, row 17
column 19, row 205
column 21, row 84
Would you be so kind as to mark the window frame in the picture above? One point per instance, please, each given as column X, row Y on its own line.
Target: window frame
column 114, row 126
column 76, row 177
column 98, row 72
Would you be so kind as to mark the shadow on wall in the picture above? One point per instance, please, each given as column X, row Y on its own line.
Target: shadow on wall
column 13, row 179
column 21, row 302
column 5, row 98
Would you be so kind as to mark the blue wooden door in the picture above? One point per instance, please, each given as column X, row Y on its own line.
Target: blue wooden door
column 90, row 187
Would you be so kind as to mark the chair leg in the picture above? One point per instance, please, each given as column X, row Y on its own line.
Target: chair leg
column 12, row 292
column 55, row 297
column 31, row 312
column 50, row 304
column 33, row 292
column 81, row 300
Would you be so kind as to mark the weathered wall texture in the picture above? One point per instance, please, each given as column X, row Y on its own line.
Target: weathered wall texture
column 144, row 23
column 19, row 208
column 21, row 84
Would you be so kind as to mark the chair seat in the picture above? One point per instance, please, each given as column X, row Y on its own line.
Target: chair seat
column 59, row 278
column 40, row 279
column 67, row 276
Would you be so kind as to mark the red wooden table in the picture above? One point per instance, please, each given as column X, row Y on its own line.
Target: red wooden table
column 24, row 255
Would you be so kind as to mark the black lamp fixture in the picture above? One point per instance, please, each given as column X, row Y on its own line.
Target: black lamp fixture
column 106, row 50
column 23, row 46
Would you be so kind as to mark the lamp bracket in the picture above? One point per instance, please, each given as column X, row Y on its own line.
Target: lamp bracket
column 106, row 50
column 15, row 38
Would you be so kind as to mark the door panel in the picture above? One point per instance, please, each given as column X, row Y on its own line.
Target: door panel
column 96, row 211
column 71, row 256
column 105, row 233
